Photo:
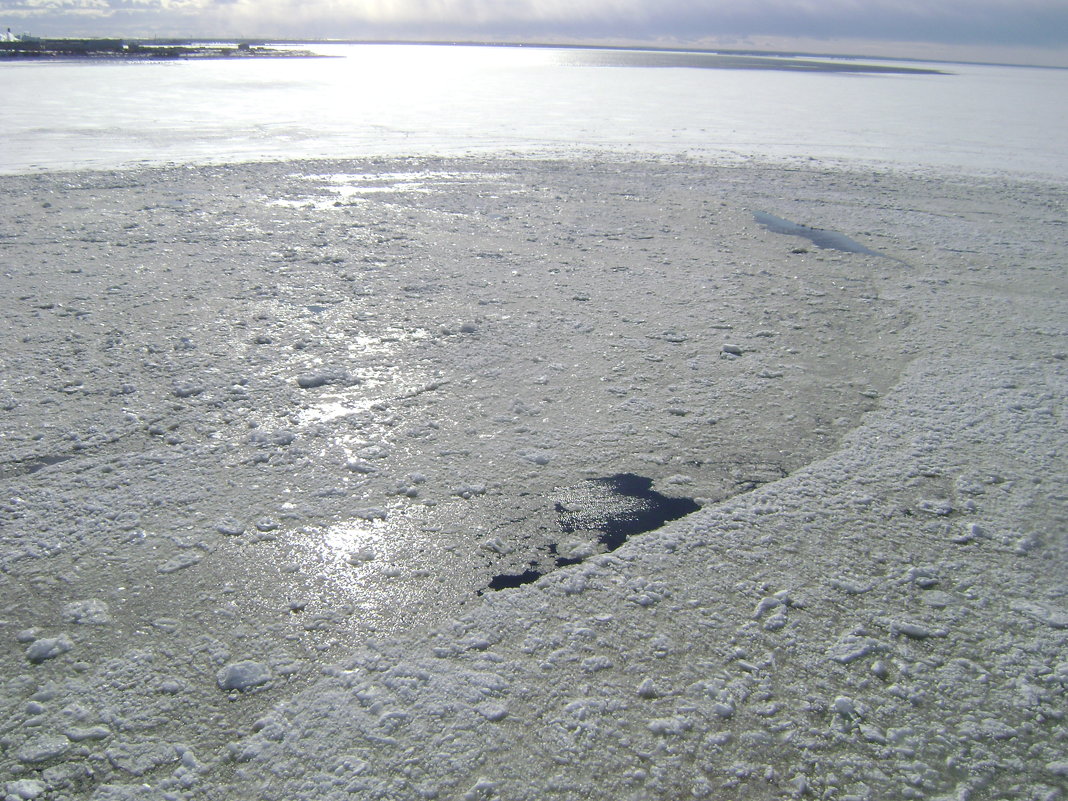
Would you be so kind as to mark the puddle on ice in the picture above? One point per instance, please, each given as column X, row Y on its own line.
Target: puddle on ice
column 508, row 581
column 618, row 507
column 820, row 237
column 373, row 557
column 612, row 508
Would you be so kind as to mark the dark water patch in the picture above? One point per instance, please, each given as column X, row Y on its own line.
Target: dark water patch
column 562, row 561
column 614, row 508
column 820, row 237
column 618, row 507
column 507, row 581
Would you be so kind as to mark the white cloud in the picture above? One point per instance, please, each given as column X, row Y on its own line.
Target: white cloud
column 50, row 6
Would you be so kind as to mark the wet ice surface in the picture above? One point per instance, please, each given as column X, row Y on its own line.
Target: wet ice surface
column 820, row 237
column 259, row 453
column 341, row 189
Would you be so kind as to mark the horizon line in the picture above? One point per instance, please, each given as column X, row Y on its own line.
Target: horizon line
column 572, row 45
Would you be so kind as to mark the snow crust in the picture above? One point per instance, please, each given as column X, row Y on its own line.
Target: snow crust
column 265, row 438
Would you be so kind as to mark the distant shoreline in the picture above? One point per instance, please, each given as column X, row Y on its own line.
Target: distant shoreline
column 136, row 50
column 226, row 48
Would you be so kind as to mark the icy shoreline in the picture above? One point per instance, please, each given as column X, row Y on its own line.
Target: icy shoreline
column 269, row 428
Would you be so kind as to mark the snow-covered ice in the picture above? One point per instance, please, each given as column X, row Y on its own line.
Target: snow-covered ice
column 267, row 441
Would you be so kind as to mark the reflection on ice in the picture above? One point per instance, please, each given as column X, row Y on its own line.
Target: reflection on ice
column 381, row 560
column 337, row 408
column 376, row 383
column 350, row 188
column 354, row 542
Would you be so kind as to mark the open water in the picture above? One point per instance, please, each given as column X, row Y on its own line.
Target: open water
column 376, row 100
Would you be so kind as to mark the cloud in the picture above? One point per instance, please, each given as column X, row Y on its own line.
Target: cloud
column 56, row 6
column 1036, row 22
column 947, row 20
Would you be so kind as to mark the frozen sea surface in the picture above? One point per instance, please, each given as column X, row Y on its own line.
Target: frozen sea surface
column 427, row 100
column 267, row 434
column 270, row 431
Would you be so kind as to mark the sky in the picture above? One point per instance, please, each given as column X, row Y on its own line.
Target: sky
column 1014, row 31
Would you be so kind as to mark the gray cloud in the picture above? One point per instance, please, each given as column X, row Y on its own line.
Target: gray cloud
column 963, row 21
column 981, row 22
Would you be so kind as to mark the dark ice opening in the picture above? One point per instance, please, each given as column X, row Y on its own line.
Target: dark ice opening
column 614, row 507
column 618, row 507
column 505, row 581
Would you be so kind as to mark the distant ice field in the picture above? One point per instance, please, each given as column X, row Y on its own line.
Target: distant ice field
column 387, row 100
